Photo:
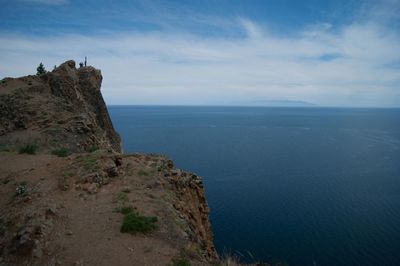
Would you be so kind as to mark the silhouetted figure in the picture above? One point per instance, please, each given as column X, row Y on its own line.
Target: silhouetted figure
column 85, row 61
column 80, row 65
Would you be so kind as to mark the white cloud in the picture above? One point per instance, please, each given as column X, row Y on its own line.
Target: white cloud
column 253, row 31
column 180, row 68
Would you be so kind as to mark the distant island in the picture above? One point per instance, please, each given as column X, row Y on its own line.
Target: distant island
column 283, row 103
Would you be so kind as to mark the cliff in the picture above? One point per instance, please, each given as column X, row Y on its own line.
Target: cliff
column 59, row 108
column 66, row 190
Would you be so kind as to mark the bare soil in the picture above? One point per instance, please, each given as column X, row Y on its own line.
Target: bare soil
column 64, row 218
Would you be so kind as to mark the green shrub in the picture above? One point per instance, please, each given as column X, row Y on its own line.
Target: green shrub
column 123, row 197
column 134, row 223
column 93, row 148
column 29, row 149
column 143, row 173
column 180, row 262
column 125, row 210
column 40, row 69
column 180, row 259
column 20, row 189
column 88, row 162
column 60, row 152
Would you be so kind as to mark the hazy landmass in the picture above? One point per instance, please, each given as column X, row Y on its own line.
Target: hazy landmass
column 283, row 103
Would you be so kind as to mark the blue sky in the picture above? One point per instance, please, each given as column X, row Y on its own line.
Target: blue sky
column 331, row 53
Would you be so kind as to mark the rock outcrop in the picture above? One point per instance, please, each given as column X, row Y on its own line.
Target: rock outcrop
column 62, row 210
column 59, row 109
column 193, row 205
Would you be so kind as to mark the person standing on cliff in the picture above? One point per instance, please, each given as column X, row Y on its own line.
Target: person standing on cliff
column 85, row 61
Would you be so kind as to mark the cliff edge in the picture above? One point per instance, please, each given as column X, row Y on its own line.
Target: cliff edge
column 68, row 196
column 62, row 108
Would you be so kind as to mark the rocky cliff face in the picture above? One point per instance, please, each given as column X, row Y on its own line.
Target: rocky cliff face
column 60, row 109
column 191, row 202
column 62, row 210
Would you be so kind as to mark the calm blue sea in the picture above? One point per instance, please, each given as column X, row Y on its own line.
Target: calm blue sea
column 302, row 186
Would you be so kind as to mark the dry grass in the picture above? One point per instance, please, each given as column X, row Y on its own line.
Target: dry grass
column 229, row 259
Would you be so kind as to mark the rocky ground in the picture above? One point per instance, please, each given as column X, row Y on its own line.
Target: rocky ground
column 59, row 109
column 64, row 211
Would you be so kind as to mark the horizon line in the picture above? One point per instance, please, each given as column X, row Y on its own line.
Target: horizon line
column 254, row 106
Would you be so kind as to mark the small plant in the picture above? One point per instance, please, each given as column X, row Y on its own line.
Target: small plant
column 126, row 190
column 40, row 69
column 88, row 162
column 4, row 148
column 143, row 173
column 93, row 148
column 60, row 152
column 29, row 149
column 180, row 260
column 123, row 197
column 20, row 189
column 134, row 223
column 125, row 210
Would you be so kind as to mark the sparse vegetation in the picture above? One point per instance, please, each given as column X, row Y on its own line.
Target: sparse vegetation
column 69, row 173
column 126, row 190
column 28, row 148
column 143, row 173
column 125, row 210
column 123, row 197
column 92, row 148
column 180, row 260
column 88, row 162
column 134, row 223
column 40, row 69
column 229, row 259
column 166, row 164
column 20, row 189
column 4, row 148
column 60, row 152
column 54, row 131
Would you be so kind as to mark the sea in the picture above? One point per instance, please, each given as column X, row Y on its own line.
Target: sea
column 291, row 186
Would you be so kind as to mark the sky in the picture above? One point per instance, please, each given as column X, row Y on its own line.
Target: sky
column 327, row 52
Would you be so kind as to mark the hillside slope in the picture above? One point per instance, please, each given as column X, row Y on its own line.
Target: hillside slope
column 66, row 189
